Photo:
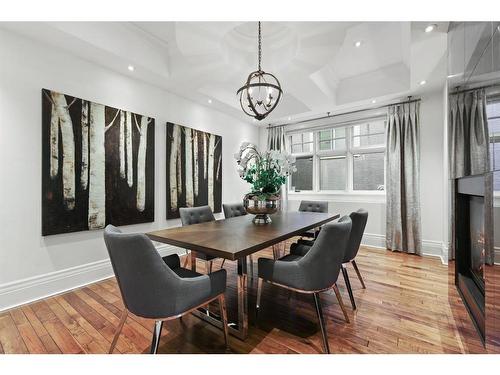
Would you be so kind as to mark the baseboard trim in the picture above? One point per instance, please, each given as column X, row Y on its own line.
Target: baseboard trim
column 31, row 289
column 429, row 248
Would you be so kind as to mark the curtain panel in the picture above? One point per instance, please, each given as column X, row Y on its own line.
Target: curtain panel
column 468, row 130
column 468, row 145
column 403, row 228
column 276, row 140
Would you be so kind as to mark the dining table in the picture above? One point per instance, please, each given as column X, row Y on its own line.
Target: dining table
column 235, row 239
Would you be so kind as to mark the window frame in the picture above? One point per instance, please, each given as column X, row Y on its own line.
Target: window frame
column 489, row 100
column 348, row 152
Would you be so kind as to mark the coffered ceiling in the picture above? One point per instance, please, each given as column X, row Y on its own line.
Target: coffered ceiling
column 319, row 64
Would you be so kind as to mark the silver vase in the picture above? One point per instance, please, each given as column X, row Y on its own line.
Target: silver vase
column 261, row 208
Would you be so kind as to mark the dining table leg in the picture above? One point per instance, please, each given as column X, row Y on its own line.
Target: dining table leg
column 238, row 329
column 243, row 296
column 193, row 261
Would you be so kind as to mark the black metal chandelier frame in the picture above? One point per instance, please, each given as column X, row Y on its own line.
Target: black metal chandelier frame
column 245, row 91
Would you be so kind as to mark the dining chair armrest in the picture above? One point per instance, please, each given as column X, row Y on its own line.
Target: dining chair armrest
column 300, row 248
column 193, row 291
column 281, row 272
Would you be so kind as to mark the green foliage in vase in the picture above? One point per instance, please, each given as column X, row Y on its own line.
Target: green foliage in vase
column 266, row 172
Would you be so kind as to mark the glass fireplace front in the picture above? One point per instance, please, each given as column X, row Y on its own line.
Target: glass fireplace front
column 477, row 250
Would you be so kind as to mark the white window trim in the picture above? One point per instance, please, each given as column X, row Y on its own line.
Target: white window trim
column 349, row 194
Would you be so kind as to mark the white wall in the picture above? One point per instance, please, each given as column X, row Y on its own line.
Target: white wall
column 433, row 194
column 32, row 266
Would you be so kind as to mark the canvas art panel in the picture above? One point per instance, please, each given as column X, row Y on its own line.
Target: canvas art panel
column 194, row 169
column 97, row 165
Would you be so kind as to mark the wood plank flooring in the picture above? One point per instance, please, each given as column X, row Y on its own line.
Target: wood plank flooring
column 410, row 306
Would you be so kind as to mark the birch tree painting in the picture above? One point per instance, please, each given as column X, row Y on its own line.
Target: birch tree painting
column 97, row 165
column 194, row 169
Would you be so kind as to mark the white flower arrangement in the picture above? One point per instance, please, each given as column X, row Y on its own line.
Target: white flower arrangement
column 265, row 171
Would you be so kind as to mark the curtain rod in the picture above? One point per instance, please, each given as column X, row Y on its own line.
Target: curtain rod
column 458, row 91
column 345, row 113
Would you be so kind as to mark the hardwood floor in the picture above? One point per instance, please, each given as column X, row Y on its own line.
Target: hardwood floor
column 410, row 306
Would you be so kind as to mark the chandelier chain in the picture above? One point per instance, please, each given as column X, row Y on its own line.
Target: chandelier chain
column 266, row 89
column 260, row 47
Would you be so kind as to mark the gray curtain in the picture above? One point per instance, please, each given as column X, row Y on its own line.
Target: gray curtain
column 403, row 230
column 468, row 143
column 276, row 140
column 468, row 132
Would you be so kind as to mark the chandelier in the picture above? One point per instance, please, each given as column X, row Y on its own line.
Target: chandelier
column 261, row 92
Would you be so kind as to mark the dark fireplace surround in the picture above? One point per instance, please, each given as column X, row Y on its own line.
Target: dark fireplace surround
column 471, row 240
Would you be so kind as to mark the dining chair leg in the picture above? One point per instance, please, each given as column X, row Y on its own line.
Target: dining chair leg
column 118, row 331
column 341, row 302
column 208, row 266
column 358, row 273
column 186, row 260
column 250, row 257
column 348, row 286
column 317, row 303
column 155, row 343
column 275, row 253
column 223, row 313
column 259, row 293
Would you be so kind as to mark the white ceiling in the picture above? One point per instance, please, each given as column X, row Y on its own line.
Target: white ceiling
column 317, row 63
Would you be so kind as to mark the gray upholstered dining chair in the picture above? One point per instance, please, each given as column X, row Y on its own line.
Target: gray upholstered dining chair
column 315, row 272
column 359, row 219
column 196, row 215
column 313, row 206
column 157, row 288
column 235, row 210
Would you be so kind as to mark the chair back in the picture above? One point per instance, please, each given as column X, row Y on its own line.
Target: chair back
column 359, row 219
column 313, row 206
column 321, row 264
column 196, row 215
column 233, row 210
column 141, row 273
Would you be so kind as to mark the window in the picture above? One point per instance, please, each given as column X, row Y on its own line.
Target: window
column 332, row 173
column 347, row 158
column 303, row 178
column 302, row 143
column 368, row 171
column 369, row 134
column 493, row 113
column 332, row 139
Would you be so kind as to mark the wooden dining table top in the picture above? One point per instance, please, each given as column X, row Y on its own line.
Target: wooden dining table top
column 237, row 237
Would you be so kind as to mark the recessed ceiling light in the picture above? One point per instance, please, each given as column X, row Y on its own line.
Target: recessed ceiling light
column 289, row 118
column 358, row 43
column 374, row 101
column 131, row 68
column 209, row 101
column 430, row 28
column 423, row 82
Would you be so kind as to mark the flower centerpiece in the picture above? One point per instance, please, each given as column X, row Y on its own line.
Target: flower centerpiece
column 266, row 172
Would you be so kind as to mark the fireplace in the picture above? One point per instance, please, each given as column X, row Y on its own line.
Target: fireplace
column 476, row 225
column 470, row 246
